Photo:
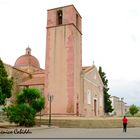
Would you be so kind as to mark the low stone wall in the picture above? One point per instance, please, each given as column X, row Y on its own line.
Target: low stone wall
column 90, row 123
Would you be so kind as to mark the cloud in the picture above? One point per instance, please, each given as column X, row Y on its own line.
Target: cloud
column 133, row 37
column 130, row 90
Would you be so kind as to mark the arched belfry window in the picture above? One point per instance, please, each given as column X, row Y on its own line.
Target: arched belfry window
column 59, row 17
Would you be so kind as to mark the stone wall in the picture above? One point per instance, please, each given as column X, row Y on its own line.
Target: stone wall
column 18, row 77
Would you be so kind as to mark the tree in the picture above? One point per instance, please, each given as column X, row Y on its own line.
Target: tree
column 107, row 102
column 133, row 109
column 29, row 101
column 5, row 84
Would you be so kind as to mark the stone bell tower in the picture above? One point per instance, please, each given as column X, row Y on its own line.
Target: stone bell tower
column 63, row 59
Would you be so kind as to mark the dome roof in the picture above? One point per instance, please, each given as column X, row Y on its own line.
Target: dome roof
column 27, row 59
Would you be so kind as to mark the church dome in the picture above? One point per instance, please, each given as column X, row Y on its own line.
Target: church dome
column 27, row 59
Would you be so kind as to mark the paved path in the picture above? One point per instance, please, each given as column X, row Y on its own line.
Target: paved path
column 45, row 132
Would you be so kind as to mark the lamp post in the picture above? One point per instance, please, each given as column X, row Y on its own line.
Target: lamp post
column 50, row 98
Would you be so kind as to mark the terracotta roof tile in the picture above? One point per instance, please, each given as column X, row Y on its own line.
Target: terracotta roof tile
column 26, row 59
column 34, row 81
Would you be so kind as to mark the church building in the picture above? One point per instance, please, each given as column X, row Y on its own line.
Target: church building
column 76, row 90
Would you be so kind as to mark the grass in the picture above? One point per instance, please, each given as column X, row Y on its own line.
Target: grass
column 82, row 122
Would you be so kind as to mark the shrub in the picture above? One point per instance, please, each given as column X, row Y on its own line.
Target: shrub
column 133, row 110
column 28, row 102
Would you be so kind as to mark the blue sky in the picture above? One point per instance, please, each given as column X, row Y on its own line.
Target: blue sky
column 111, row 37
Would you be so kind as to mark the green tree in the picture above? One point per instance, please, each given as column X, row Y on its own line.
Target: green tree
column 107, row 102
column 133, row 109
column 5, row 84
column 29, row 101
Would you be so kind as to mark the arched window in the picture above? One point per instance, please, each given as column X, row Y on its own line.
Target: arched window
column 59, row 17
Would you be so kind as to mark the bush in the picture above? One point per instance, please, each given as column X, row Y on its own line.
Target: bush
column 133, row 109
column 21, row 114
column 28, row 102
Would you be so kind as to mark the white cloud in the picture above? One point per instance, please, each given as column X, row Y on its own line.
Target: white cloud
column 128, row 89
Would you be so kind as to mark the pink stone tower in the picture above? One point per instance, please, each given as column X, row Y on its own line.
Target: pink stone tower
column 63, row 60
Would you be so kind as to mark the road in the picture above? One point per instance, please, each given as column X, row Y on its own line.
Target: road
column 54, row 132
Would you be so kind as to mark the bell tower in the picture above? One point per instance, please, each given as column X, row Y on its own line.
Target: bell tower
column 63, row 59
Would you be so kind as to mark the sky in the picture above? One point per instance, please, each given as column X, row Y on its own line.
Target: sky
column 111, row 37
